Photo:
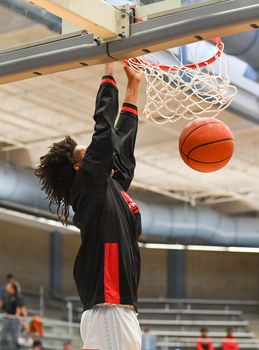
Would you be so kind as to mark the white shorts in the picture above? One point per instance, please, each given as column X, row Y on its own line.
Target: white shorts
column 110, row 327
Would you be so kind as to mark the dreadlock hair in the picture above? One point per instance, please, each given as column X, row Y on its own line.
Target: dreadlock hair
column 56, row 173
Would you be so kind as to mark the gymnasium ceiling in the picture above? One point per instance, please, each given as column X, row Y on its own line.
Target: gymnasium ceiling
column 36, row 112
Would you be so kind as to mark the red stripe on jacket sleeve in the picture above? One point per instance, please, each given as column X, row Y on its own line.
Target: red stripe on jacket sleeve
column 111, row 273
column 109, row 80
column 129, row 109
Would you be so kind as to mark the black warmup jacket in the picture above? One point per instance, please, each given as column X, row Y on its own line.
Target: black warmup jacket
column 107, row 266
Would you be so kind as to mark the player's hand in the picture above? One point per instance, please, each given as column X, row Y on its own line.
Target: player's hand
column 132, row 75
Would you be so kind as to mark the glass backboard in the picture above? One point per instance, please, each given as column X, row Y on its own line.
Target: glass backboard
column 22, row 23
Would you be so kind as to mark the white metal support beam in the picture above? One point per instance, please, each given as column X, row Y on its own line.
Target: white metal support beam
column 97, row 17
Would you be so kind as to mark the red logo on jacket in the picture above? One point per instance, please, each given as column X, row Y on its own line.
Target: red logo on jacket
column 132, row 205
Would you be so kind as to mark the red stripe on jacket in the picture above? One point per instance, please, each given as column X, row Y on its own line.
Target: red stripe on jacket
column 129, row 109
column 111, row 273
column 111, row 81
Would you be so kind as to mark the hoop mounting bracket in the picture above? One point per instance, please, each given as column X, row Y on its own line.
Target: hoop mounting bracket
column 122, row 24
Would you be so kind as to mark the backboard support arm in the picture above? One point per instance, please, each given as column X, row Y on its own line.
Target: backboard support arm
column 160, row 33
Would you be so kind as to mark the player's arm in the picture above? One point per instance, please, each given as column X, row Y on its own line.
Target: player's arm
column 126, row 131
column 97, row 162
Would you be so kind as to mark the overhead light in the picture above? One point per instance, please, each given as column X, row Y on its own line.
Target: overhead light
column 209, row 248
column 198, row 248
column 243, row 250
column 40, row 222
column 163, row 246
column 54, row 223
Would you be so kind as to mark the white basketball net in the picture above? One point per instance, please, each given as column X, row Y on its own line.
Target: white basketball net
column 185, row 91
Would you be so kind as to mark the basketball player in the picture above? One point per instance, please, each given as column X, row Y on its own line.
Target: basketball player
column 94, row 180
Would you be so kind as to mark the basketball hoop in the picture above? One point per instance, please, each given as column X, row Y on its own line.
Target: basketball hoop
column 177, row 90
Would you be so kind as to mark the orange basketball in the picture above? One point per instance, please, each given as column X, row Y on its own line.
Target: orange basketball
column 206, row 144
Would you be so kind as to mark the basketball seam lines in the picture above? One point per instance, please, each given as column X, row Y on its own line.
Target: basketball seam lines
column 216, row 122
column 200, row 161
column 206, row 144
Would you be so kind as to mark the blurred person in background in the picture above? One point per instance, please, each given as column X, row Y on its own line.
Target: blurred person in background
column 37, row 345
column 204, row 342
column 13, row 306
column 148, row 340
column 36, row 328
column 67, row 345
column 10, row 279
column 229, row 342
column 24, row 339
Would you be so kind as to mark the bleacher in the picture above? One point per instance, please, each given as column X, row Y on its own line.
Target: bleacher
column 56, row 333
column 176, row 323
